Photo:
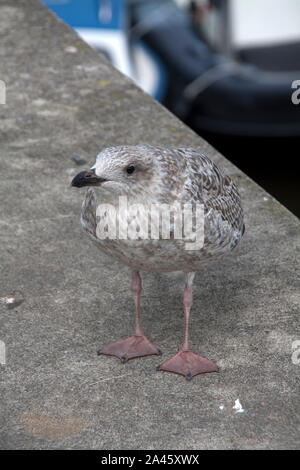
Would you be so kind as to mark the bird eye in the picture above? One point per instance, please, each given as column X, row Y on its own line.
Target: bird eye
column 130, row 169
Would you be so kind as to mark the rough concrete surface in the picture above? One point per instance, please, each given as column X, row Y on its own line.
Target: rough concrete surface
column 63, row 99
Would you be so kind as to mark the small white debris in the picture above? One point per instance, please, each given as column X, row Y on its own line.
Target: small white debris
column 39, row 102
column 238, row 406
column 266, row 198
column 12, row 300
column 221, row 407
column 71, row 49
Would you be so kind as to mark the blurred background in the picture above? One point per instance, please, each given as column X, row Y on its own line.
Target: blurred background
column 230, row 69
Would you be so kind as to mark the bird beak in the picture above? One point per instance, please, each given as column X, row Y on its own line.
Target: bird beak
column 87, row 178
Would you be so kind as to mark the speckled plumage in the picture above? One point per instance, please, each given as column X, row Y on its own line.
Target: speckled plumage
column 167, row 176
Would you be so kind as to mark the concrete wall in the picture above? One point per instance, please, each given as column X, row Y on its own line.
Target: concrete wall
column 63, row 99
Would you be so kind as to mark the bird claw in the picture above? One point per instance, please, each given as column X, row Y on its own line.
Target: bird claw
column 135, row 346
column 187, row 364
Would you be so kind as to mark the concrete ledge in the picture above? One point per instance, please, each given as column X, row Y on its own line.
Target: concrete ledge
column 62, row 98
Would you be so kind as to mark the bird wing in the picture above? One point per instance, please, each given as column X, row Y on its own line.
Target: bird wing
column 208, row 184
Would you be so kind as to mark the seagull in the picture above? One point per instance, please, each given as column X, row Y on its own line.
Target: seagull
column 131, row 189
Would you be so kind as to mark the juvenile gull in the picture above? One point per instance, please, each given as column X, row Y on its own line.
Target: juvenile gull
column 151, row 175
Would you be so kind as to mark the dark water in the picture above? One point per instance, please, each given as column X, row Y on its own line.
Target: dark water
column 272, row 163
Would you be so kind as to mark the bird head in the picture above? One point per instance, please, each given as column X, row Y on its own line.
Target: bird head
column 126, row 170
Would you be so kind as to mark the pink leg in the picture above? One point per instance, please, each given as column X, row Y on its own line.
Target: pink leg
column 185, row 362
column 137, row 345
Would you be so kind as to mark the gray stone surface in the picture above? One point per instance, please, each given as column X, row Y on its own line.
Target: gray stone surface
column 63, row 99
